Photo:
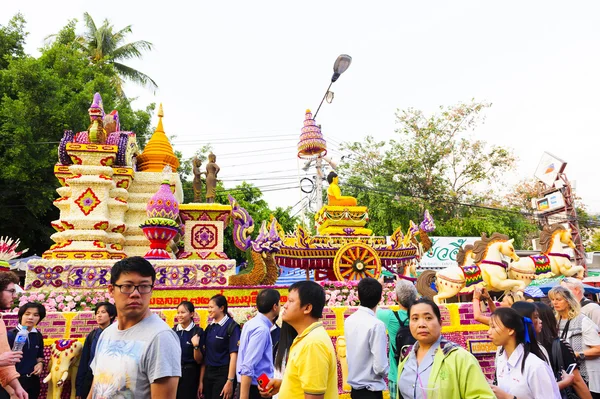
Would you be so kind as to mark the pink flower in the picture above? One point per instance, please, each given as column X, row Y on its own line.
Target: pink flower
column 71, row 304
column 77, row 298
column 94, row 301
column 41, row 297
column 51, row 302
column 68, row 298
column 60, row 298
column 52, row 294
column 61, row 306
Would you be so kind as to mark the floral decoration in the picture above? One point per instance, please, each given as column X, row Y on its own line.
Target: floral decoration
column 49, row 276
column 213, row 274
column 345, row 293
column 90, row 277
column 64, row 301
column 87, row 201
column 174, row 276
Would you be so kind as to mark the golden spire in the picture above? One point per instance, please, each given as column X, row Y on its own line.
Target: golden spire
column 158, row 152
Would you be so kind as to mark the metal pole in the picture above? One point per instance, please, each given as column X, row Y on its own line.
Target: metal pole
column 319, row 185
column 323, row 99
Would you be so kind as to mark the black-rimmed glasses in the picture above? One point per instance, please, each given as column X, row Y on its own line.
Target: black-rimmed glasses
column 129, row 288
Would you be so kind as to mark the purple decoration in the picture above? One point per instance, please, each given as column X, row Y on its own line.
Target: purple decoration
column 89, row 277
column 82, row 137
column 413, row 228
column 427, row 225
column 348, row 230
column 173, row 276
column 97, row 109
column 122, row 152
column 63, row 157
column 243, row 225
column 257, row 245
column 213, row 274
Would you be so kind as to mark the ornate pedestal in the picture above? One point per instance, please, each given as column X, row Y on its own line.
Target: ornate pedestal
column 91, row 207
column 343, row 221
column 204, row 226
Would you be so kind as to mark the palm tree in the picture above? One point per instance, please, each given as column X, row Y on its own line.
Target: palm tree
column 102, row 44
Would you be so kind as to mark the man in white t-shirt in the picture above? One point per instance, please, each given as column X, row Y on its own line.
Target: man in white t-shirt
column 139, row 356
column 589, row 308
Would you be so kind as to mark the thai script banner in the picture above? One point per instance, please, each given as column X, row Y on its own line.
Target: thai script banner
column 200, row 298
column 444, row 250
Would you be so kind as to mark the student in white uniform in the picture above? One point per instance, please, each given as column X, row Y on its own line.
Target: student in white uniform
column 520, row 371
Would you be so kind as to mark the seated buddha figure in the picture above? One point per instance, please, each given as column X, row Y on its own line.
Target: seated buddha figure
column 334, row 194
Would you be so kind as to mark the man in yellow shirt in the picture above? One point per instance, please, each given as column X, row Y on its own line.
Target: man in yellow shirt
column 311, row 368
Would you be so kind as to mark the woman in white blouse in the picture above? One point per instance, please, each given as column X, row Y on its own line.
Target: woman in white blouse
column 581, row 332
column 520, row 371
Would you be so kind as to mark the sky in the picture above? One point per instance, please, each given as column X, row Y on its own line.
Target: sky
column 241, row 74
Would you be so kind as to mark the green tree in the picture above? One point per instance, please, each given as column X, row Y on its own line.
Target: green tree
column 433, row 165
column 104, row 45
column 39, row 99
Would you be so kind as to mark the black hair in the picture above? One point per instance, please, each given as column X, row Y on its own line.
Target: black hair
column 30, row 305
column 369, row 292
column 286, row 338
column 188, row 305
column 510, row 318
column 550, row 331
column 134, row 264
column 427, row 301
column 330, row 176
column 110, row 309
column 527, row 309
column 220, row 301
column 266, row 299
column 312, row 293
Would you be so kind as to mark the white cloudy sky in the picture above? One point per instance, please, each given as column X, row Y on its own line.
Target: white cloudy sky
column 240, row 74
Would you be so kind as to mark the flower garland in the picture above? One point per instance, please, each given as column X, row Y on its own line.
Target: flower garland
column 65, row 301
column 345, row 293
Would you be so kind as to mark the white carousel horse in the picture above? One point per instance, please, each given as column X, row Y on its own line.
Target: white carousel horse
column 488, row 253
column 553, row 261
column 487, row 269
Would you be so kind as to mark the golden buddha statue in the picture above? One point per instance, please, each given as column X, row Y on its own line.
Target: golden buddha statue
column 334, row 194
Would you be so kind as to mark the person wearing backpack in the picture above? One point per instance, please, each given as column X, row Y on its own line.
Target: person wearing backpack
column 398, row 329
column 190, row 338
column 366, row 344
column 222, row 338
column 105, row 313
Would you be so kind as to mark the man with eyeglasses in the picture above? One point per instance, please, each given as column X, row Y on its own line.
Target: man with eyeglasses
column 139, row 356
column 9, row 378
column 589, row 308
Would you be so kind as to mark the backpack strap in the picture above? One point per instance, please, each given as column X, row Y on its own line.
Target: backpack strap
column 231, row 327
column 398, row 318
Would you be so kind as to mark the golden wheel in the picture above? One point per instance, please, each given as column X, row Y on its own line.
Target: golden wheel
column 355, row 261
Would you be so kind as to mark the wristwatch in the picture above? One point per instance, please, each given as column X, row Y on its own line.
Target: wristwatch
column 582, row 355
column 230, row 379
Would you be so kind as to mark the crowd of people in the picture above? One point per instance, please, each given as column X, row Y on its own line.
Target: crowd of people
column 543, row 351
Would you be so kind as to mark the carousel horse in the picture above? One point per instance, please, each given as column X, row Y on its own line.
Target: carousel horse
column 488, row 253
column 553, row 261
column 487, row 269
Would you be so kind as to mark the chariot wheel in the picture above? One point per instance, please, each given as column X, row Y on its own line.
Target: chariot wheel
column 355, row 261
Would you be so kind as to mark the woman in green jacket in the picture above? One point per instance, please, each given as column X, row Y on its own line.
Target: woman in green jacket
column 435, row 367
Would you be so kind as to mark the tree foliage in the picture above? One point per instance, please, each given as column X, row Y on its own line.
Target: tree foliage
column 433, row 164
column 39, row 99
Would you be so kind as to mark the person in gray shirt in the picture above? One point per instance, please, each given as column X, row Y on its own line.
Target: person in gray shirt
column 139, row 356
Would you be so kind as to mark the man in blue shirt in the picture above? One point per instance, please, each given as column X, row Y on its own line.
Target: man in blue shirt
column 255, row 354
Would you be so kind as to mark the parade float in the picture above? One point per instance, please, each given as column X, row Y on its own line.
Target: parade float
column 116, row 200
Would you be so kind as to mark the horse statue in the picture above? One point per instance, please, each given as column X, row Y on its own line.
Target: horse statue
column 553, row 261
column 488, row 253
column 483, row 267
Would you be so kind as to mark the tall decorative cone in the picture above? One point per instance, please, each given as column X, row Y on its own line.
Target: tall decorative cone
column 158, row 152
column 311, row 144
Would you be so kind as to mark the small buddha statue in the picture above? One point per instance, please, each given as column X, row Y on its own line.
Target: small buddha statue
column 212, row 170
column 334, row 194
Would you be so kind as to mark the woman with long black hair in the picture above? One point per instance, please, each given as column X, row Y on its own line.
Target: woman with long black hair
column 520, row 370
column 561, row 354
column 286, row 338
